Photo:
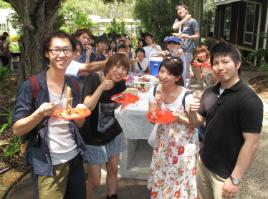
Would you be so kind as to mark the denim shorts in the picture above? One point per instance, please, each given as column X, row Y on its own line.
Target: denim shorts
column 101, row 154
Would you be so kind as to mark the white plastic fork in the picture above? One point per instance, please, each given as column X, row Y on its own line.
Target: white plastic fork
column 119, row 96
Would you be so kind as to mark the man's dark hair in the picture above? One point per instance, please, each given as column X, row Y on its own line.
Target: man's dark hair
column 147, row 34
column 57, row 34
column 101, row 39
column 140, row 50
column 182, row 5
column 225, row 49
column 81, row 31
column 5, row 34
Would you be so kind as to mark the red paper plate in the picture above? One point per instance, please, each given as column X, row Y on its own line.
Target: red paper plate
column 125, row 98
column 161, row 117
column 77, row 114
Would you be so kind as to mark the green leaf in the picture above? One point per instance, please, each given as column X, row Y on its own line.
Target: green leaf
column 4, row 114
column 3, row 127
column 12, row 150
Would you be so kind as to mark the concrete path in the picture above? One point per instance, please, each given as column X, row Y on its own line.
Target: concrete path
column 254, row 184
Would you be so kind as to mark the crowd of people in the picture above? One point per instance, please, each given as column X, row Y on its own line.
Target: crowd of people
column 94, row 69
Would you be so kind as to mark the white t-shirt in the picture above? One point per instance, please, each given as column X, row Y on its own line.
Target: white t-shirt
column 73, row 68
column 143, row 64
column 149, row 50
column 61, row 144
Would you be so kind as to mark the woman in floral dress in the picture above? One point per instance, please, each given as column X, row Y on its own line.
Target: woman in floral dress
column 173, row 166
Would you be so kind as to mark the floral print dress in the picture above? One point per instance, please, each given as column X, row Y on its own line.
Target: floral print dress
column 172, row 172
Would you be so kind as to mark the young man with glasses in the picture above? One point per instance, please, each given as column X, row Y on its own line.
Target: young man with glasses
column 55, row 146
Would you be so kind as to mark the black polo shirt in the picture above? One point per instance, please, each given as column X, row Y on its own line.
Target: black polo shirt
column 237, row 110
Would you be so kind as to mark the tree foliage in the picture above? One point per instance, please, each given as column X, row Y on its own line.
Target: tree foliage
column 73, row 17
column 111, row 1
column 4, row 4
column 116, row 27
column 115, row 9
column 208, row 13
column 38, row 19
column 156, row 16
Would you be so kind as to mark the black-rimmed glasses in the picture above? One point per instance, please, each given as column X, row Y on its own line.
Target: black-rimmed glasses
column 57, row 51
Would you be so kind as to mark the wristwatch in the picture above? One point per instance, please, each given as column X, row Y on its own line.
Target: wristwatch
column 235, row 181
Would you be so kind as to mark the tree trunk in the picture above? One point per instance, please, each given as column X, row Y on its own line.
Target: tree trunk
column 37, row 18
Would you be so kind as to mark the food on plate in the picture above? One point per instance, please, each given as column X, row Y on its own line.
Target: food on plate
column 68, row 102
column 69, row 113
column 133, row 91
column 76, row 113
column 145, row 79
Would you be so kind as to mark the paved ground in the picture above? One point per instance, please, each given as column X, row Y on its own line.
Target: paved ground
column 254, row 184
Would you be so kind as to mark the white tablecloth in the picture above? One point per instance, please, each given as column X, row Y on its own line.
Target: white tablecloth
column 133, row 119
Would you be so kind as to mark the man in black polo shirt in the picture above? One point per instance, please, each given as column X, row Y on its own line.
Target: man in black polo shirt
column 233, row 115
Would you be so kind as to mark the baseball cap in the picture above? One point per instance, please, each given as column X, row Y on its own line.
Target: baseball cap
column 172, row 39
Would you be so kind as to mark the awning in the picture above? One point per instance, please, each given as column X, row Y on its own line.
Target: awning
column 221, row 2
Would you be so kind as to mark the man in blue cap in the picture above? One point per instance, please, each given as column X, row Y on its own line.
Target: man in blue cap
column 173, row 45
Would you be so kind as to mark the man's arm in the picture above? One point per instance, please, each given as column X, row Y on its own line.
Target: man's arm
column 244, row 160
column 177, row 24
column 246, row 154
column 25, row 125
column 87, row 68
column 186, row 36
column 195, row 36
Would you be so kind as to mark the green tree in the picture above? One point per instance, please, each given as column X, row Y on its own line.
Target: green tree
column 156, row 16
column 115, row 9
column 4, row 4
column 38, row 19
column 116, row 27
column 111, row 1
column 208, row 13
column 74, row 17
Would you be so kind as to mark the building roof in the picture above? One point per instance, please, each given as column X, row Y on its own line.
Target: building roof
column 221, row 2
column 4, row 14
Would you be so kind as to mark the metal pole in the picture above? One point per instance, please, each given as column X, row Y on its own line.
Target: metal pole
column 201, row 18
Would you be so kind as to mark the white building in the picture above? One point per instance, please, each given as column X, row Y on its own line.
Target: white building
column 5, row 25
column 101, row 24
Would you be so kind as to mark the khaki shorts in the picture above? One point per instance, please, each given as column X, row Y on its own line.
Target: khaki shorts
column 209, row 185
column 54, row 186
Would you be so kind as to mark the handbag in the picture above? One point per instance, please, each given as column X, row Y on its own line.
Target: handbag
column 152, row 137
